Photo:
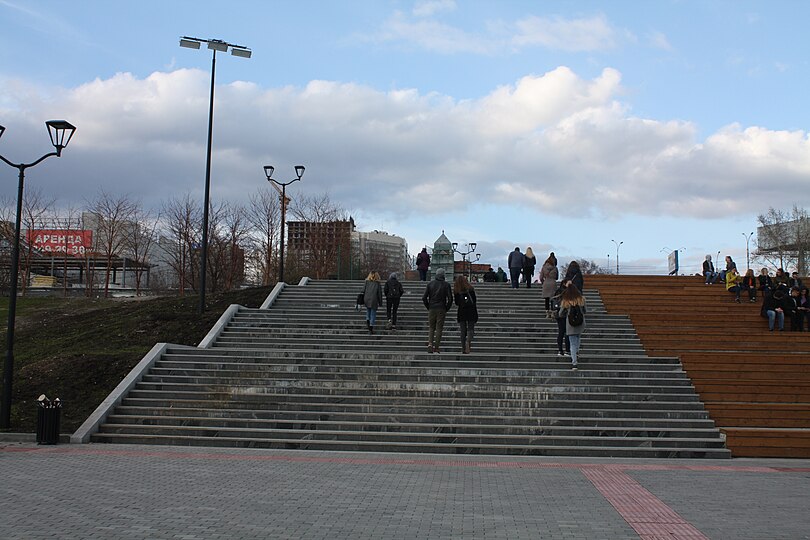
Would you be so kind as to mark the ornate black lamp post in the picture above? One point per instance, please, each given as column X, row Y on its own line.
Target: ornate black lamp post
column 470, row 249
column 60, row 132
column 236, row 50
column 268, row 172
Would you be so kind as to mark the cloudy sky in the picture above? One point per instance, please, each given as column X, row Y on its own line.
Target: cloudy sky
column 561, row 125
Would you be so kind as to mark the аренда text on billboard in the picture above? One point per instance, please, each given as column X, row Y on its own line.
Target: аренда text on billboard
column 62, row 242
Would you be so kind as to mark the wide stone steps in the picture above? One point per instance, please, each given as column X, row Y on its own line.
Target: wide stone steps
column 386, row 357
column 164, row 370
column 530, row 409
column 306, row 374
column 561, row 417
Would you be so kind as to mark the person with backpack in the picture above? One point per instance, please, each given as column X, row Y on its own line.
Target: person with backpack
column 467, row 316
column 572, row 309
column 393, row 292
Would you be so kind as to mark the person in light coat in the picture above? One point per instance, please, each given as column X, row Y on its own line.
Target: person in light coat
column 372, row 298
column 548, row 278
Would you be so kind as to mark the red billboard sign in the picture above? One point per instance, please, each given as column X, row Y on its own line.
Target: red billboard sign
column 60, row 241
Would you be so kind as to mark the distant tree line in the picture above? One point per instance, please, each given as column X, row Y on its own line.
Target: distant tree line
column 243, row 241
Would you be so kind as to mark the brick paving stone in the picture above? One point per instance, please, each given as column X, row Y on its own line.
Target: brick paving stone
column 133, row 492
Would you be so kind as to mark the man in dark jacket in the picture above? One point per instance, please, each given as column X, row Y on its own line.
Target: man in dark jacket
column 490, row 276
column 774, row 308
column 515, row 263
column 422, row 264
column 438, row 300
column 393, row 292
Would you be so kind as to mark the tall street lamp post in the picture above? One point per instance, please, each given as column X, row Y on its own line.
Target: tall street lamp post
column 470, row 249
column 747, row 252
column 618, row 244
column 268, row 172
column 236, row 50
column 60, row 132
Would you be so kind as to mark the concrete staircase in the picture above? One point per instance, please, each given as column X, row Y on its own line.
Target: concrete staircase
column 306, row 374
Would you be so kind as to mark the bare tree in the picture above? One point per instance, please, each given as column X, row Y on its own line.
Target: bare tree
column 783, row 238
column 112, row 216
column 7, row 217
column 323, row 242
column 138, row 241
column 183, row 220
column 35, row 209
column 228, row 236
column 70, row 222
column 588, row 267
column 264, row 215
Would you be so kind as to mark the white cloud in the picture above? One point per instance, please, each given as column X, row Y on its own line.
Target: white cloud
column 554, row 142
column 434, row 36
column 427, row 8
column 584, row 34
column 659, row 40
column 556, row 33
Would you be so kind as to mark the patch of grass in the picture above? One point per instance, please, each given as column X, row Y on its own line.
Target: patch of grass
column 79, row 349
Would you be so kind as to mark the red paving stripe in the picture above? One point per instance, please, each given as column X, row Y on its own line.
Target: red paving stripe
column 435, row 462
column 643, row 511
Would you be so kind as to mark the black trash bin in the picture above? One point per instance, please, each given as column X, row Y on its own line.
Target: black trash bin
column 48, row 419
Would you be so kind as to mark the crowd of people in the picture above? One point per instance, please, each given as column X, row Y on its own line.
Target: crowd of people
column 782, row 295
column 564, row 302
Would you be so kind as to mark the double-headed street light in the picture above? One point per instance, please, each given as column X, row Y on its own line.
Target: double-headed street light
column 617, row 254
column 60, row 132
column 747, row 252
column 470, row 249
column 236, row 50
column 268, row 172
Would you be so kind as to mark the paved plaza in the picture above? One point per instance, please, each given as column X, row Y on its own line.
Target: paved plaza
column 122, row 491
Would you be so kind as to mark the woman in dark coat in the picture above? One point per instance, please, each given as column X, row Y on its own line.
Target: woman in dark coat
column 574, row 275
column 467, row 316
column 529, row 262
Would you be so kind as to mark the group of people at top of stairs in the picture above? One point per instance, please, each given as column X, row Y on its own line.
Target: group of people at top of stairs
column 783, row 294
column 564, row 303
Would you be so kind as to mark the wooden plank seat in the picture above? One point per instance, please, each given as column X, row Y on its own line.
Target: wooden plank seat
column 754, row 383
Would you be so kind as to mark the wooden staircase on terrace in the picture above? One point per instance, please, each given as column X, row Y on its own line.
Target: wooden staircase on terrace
column 754, row 383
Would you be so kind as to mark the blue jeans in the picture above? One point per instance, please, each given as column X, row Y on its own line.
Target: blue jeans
column 422, row 274
column 371, row 315
column 779, row 316
column 575, row 340
column 711, row 277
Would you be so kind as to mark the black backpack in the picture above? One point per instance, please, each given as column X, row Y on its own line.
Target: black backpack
column 466, row 300
column 575, row 316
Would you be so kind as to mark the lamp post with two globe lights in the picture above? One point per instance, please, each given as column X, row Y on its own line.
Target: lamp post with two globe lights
column 268, row 172
column 60, row 132
column 236, row 50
